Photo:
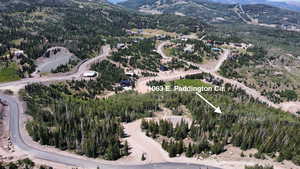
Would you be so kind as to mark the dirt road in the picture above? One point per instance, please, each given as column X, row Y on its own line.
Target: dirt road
column 212, row 69
column 231, row 159
column 137, row 138
column 25, row 144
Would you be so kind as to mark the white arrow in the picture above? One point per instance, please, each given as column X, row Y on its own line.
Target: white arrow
column 217, row 109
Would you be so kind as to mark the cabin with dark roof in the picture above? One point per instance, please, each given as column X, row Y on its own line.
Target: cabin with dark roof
column 163, row 68
column 125, row 83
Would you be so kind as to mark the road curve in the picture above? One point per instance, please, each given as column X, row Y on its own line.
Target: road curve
column 16, row 109
column 160, row 49
column 173, row 76
column 77, row 75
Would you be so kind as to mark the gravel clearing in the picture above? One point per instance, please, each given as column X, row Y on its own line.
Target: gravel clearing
column 53, row 58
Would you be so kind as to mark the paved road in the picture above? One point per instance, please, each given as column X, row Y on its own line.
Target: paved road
column 15, row 109
column 77, row 75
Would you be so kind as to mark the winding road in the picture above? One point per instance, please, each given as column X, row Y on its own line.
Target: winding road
column 16, row 138
column 169, row 76
column 16, row 110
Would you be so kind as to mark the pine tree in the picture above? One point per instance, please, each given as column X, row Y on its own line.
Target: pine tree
column 172, row 149
column 189, row 151
column 143, row 157
column 126, row 148
column 180, row 147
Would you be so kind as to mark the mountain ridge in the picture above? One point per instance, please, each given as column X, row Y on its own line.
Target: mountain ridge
column 213, row 12
column 291, row 5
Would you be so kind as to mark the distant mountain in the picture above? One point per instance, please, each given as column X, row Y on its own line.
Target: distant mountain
column 115, row 1
column 247, row 11
column 292, row 5
column 209, row 12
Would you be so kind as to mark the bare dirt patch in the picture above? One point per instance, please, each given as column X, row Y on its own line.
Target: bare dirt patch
column 292, row 107
column 231, row 159
column 53, row 58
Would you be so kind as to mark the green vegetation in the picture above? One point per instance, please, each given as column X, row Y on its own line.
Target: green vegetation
column 272, row 15
column 290, row 95
column 203, row 10
column 73, row 122
column 156, row 83
column 60, row 23
column 176, row 63
column 108, row 75
column 192, row 50
column 276, row 84
column 66, row 68
column 8, row 72
column 190, row 82
column 259, row 167
column 241, row 125
column 139, row 55
column 230, row 66
column 22, row 164
column 88, row 127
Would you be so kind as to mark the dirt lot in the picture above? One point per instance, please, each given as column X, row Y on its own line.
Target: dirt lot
column 231, row 159
column 62, row 56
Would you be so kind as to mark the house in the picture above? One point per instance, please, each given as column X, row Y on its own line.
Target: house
column 219, row 43
column 125, row 83
column 217, row 82
column 238, row 45
column 184, row 39
column 121, row 46
column 127, row 88
column 130, row 74
column 18, row 53
column 161, row 37
column 90, row 74
column 210, row 41
column 216, row 49
column 189, row 48
column 209, row 44
column 130, row 32
column 163, row 68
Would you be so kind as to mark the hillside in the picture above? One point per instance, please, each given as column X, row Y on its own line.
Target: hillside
column 165, row 84
column 31, row 27
column 289, row 4
column 206, row 11
column 215, row 12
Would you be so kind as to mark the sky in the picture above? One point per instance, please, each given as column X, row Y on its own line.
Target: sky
column 285, row 0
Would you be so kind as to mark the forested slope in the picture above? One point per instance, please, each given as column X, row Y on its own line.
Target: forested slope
column 87, row 126
column 245, row 123
column 81, row 26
